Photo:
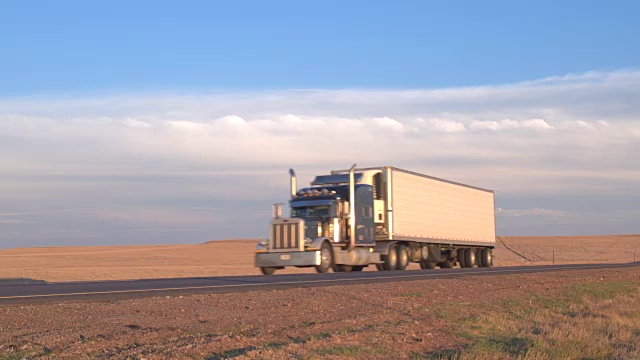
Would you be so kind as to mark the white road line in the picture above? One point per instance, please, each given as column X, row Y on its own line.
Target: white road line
column 300, row 282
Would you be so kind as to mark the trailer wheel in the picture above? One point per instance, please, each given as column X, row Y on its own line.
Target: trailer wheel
column 447, row 264
column 470, row 257
column 403, row 257
column 424, row 253
column 461, row 257
column 358, row 268
column 487, row 257
column 268, row 270
column 326, row 258
column 391, row 259
column 479, row 257
column 344, row 268
column 424, row 264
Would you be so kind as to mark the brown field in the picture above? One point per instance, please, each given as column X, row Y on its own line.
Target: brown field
column 235, row 257
column 585, row 314
column 562, row 315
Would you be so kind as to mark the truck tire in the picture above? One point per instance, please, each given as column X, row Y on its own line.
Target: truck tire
column 479, row 257
column 461, row 257
column 435, row 254
column 391, row 259
column 380, row 267
column 326, row 258
column 487, row 257
column 425, row 264
column 403, row 257
column 470, row 257
column 344, row 268
column 358, row 268
column 268, row 270
column 424, row 253
column 447, row 264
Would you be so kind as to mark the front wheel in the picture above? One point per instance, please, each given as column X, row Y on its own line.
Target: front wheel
column 268, row 270
column 326, row 259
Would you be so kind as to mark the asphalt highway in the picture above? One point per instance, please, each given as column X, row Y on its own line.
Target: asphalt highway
column 12, row 292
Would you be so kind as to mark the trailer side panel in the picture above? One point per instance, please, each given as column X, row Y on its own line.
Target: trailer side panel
column 425, row 207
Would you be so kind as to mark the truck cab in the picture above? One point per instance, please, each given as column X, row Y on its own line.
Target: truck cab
column 326, row 213
column 322, row 219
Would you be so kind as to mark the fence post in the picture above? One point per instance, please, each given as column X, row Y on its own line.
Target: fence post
column 554, row 256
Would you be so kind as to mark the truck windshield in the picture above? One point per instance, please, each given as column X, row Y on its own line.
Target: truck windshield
column 311, row 211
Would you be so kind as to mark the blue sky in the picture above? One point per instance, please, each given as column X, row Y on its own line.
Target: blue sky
column 175, row 122
column 69, row 46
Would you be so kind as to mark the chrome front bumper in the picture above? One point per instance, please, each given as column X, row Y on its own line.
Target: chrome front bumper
column 292, row 258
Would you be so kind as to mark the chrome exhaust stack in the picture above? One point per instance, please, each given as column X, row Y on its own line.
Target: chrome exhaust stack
column 277, row 211
column 352, row 207
column 294, row 183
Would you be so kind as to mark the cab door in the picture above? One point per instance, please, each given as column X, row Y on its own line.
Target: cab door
column 365, row 226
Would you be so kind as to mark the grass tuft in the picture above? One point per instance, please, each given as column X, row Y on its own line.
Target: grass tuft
column 344, row 350
column 322, row 335
column 232, row 353
column 412, row 294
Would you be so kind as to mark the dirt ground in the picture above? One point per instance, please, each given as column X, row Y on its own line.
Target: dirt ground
column 374, row 321
column 235, row 257
column 539, row 250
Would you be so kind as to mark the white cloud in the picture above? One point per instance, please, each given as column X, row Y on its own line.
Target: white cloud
column 546, row 126
column 577, row 125
column 507, row 124
column 447, row 126
column 187, row 126
column 536, row 124
column 570, row 135
column 135, row 123
column 386, row 123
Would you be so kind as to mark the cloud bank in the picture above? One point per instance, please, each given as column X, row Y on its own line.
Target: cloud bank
column 145, row 161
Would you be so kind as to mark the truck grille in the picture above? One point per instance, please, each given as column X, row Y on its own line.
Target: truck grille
column 285, row 235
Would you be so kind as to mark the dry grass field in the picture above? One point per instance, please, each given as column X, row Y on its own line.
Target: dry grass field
column 561, row 315
column 585, row 314
column 235, row 257
column 539, row 250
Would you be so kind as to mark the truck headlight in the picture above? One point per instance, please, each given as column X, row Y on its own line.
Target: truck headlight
column 264, row 243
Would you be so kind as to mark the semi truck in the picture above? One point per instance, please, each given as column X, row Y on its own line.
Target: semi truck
column 381, row 216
